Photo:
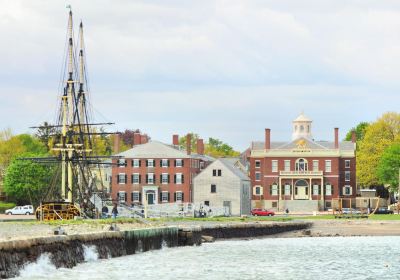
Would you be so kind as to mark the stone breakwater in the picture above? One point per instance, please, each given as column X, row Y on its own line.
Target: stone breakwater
column 69, row 250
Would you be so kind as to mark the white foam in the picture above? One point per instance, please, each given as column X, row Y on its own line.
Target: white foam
column 90, row 253
column 40, row 268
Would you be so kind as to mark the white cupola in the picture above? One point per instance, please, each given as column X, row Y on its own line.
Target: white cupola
column 302, row 127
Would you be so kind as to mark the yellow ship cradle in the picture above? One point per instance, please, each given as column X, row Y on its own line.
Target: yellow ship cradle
column 57, row 211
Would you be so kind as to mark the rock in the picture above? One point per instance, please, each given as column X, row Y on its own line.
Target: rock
column 59, row 231
column 207, row 239
column 306, row 232
column 113, row 227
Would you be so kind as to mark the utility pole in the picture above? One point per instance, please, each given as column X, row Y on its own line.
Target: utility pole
column 398, row 195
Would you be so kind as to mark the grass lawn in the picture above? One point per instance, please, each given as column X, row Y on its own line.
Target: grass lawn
column 222, row 219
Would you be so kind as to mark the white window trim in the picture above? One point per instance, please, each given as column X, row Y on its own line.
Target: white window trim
column 315, row 190
column 119, row 178
column 148, row 162
column 121, row 165
column 347, row 187
column 347, row 161
column 330, row 190
column 119, row 196
column 138, row 196
column 180, row 161
column 178, row 192
column 274, row 168
column 137, row 178
column 180, row 178
column 288, row 167
column 162, row 196
column 259, row 164
column 287, row 189
column 315, row 165
column 274, row 190
column 162, row 178
column 255, row 176
column 152, row 178
column 345, row 176
column 330, row 165
column 135, row 160
column 162, row 163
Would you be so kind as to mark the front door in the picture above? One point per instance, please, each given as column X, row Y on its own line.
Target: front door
column 301, row 193
column 150, row 198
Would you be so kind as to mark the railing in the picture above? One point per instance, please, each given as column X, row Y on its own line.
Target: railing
column 301, row 173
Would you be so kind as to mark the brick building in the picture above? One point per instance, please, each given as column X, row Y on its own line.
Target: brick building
column 303, row 174
column 159, row 172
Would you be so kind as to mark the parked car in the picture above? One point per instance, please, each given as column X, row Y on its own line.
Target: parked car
column 20, row 210
column 262, row 212
column 383, row 210
column 350, row 211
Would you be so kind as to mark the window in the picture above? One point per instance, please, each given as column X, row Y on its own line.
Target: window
column 347, row 163
column 122, row 196
column 136, row 163
column 287, row 165
column 121, row 162
column 328, row 165
column 178, row 178
column 347, row 190
column 179, row 196
column 257, row 190
column 315, row 190
column 258, row 176
column 150, row 163
column 135, row 178
column 150, row 178
column 328, row 190
column 347, row 176
column 214, row 172
column 164, row 163
column 164, row 178
column 207, row 203
column 219, row 172
column 178, row 163
column 213, row 188
column 315, row 164
column 274, row 190
column 201, row 165
column 165, row 196
column 121, row 178
column 287, row 189
column 258, row 164
column 274, row 166
column 301, row 165
column 135, row 197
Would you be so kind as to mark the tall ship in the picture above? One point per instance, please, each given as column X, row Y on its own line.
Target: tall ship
column 72, row 141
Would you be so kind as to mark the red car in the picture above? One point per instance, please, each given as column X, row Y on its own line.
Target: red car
column 262, row 212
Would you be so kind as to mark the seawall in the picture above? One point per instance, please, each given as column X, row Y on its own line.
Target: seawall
column 68, row 250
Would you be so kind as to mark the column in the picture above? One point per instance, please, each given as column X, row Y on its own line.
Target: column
column 292, row 192
column 322, row 192
column 310, row 189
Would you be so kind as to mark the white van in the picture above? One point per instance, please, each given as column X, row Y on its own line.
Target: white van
column 20, row 210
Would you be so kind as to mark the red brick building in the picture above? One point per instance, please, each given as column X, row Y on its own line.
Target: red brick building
column 159, row 172
column 302, row 174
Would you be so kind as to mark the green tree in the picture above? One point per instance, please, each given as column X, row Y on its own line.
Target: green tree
column 193, row 139
column 389, row 167
column 378, row 136
column 45, row 133
column 26, row 181
column 360, row 131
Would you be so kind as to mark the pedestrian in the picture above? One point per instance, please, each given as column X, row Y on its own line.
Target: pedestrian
column 114, row 211
column 104, row 212
column 287, row 211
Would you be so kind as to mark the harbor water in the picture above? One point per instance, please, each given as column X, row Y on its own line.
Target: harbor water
column 269, row 258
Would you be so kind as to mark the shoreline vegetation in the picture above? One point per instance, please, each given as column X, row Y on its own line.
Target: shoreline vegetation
column 322, row 225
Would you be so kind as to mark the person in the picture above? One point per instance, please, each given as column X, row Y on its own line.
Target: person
column 114, row 211
column 104, row 211
column 287, row 211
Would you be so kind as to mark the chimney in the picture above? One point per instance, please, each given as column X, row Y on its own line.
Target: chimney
column 200, row 147
column 353, row 136
column 267, row 138
column 336, row 138
column 117, row 137
column 144, row 139
column 175, row 140
column 188, row 144
column 136, row 139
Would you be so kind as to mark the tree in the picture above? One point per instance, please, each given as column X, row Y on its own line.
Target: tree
column 44, row 133
column 193, row 139
column 378, row 136
column 26, row 181
column 214, row 147
column 389, row 167
column 360, row 131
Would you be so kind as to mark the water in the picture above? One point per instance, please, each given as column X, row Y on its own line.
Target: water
column 270, row 258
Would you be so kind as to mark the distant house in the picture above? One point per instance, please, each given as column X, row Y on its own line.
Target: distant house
column 224, row 183
column 158, row 172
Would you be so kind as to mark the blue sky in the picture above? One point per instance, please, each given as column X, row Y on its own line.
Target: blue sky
column 224, row 69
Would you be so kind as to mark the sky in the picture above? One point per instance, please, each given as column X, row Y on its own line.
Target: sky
column 222, row 69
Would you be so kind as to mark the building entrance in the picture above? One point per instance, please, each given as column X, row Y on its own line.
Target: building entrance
column 301, row 190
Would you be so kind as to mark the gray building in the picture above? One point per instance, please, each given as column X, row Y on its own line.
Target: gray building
column 224, row 184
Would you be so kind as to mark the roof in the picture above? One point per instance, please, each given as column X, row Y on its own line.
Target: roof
column 153, row 149
column 324, row 145
column 302, row 118
column 234, row 165
column 156, row 149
